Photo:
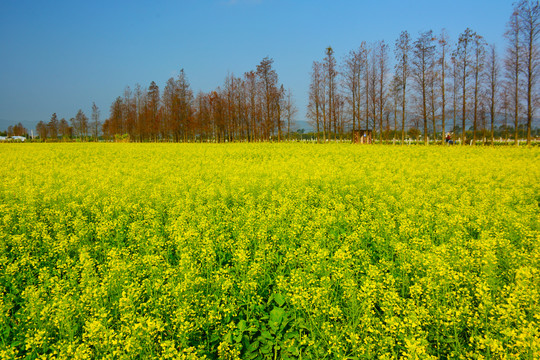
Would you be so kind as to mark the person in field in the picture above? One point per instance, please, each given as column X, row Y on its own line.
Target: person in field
column 449, row 140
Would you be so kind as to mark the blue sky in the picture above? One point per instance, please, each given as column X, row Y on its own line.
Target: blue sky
column 59, row 56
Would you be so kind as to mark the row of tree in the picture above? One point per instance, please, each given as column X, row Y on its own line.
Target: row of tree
column 16, row 130
column 78, row 126
column 433, row 83
column 249, row 108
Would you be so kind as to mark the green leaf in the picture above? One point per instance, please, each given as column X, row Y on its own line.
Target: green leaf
column 293, row 350
column 301, row 323
column 267, row 349
column 266, row 334
column 284, row 324
column 278, row 298
column 291, row 335
column 253, row 346
column 251, row 355
column 242, row 325
column 214, row 337
column 274, row 326
column 277, row 314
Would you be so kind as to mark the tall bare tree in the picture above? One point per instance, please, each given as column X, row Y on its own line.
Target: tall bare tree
column 331, row 88
column 140, row 104
column 80, row 125
column 479, row 52
column 443, row 65
column 96, row 125
column 352, row 71
column 422, row 69
column 395, row 95
column 367, row 85
column 372, row 88
column 53, row 127
column 316, row 106
column 463, row 56
column 402, row 53
column 512, row 66
column 528, row 14
column 455, row 92
column 268, row 80
column 129, row 112
column 381, row 52
column 506, row 107
column 433, row 96
column 492, row 75
column 152, row 118
column 250, row 80
column 290, row 111
column 64, row 129
column 42, row 130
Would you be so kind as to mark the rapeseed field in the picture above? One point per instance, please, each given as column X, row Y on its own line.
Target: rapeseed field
column 269, row 251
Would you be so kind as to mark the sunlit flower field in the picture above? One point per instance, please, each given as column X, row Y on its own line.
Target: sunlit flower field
column 269, row 251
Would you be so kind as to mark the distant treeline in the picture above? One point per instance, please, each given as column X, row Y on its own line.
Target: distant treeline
column 15, row 130
column 436, row 86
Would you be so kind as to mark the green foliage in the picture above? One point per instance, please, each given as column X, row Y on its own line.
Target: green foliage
column 269, row 251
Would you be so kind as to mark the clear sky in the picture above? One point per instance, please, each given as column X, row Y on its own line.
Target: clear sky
column 60, row 56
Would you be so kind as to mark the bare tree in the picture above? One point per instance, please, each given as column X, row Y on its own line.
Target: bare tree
column 464, row 65
column 42, row 130
column 455, row 92
column 396, row 96
column 250, row 79
column 381, row 54
column 64, row 129
column 279, row 97
column 129, row 113
column 183, row 98
column 140, row 105
column 402, row 52
column 53, row 127
column 528, row 14
column 290, row 112
column 367, row 85
column 372, row 88
column 152, row 116
column 268, row 80
column 17, row 130
column 80, row 125
column 316, row 106
column 433, row 96
column 506, row 107
column 492, row 75
column 96, row 125
column 477, row 68
column 443, row 45
column 512, row 66
column 352, row 71
column 422, row 68
column 331, row 88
